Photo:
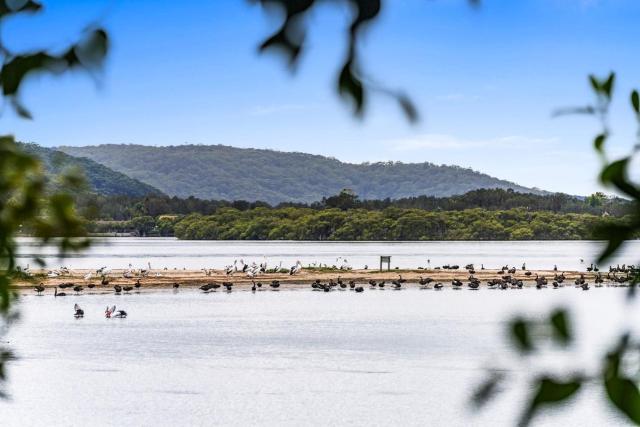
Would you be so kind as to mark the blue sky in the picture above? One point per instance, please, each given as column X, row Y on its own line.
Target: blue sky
column 485, row 81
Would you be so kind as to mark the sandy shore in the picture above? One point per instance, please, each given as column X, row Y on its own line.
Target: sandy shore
column 159, row 279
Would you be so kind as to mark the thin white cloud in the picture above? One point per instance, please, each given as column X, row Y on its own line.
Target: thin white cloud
column 451, row 142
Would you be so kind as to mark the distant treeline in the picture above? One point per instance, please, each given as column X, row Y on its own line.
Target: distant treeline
column 388, row 224
column 122, row 208
column 478, row 215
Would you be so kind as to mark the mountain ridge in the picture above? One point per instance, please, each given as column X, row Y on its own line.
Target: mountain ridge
column 99, row 178
column 232, row 173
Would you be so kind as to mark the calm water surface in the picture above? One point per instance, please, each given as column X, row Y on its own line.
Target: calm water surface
column 292, row 358
column 173, row 253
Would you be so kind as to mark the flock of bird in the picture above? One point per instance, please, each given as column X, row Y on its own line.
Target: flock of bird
column 506, row 279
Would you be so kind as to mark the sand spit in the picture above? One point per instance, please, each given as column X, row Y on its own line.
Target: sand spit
column 195, row 278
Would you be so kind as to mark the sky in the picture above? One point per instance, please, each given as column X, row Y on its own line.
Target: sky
column 485, row 80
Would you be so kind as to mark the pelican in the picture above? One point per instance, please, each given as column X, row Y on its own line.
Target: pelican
column 296, row 268
column 109, row 312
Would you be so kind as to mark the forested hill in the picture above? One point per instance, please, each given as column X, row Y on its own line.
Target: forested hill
column 229, row 173
column 99, row 178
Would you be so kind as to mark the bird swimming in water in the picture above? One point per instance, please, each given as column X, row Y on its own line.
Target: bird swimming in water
column 111, row 312
column 78, row 311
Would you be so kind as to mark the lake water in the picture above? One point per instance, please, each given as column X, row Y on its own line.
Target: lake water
column 292, row 358
column 173, row 253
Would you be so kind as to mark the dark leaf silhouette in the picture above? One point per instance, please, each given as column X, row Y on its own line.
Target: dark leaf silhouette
column 622, row 391
column 561, row 327
column 8, row 7
column 521, row 335
column 549, row 391
column 598, row 142
column 487, row 389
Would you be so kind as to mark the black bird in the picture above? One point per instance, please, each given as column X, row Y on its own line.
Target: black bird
column 138, row 284
column 359, row 289
column 424, row 282
column 176, row 285
column 117, row 288
column 438, row 286
column 207, row 287
column 78, row 311
column 91, row 285
column 39, row 289
column 352, row 284
column 77, row 289
column 127, row 289
column 58, row 294
column 275, row 284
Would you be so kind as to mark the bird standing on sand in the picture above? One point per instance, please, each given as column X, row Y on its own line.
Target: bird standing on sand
column 296, row 268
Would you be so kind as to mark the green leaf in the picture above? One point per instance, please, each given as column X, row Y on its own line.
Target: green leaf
column 624, row 394
column 520, row 334
column 622, row 391
column 408, row 108
column 595, row 84
column 607, row 86
column 616, row 235
column 615, row 171
column 487, row 389
column 598, row 143
column 92, row 50
column 635, row 101
column 559, row 321
column 351, row 87
column 8, row 7
column 549, row 391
